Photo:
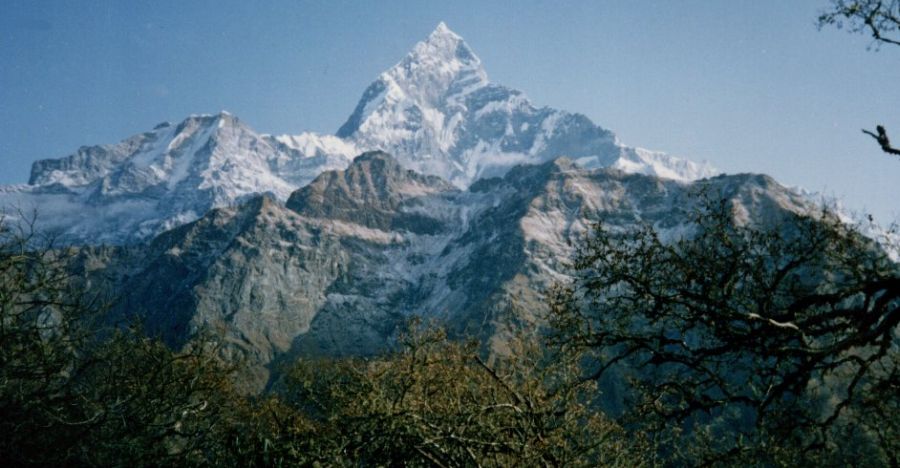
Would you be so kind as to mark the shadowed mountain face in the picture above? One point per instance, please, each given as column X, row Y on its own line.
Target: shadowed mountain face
column 376, row 192
column 435, row 111
column 352, row 255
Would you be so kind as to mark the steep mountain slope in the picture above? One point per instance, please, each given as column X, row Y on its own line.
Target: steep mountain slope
column 356, row 252
column 375, row 191
column 435, row 111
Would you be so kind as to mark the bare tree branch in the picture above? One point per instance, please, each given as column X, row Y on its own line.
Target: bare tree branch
column 878, row 18
column 882, row 140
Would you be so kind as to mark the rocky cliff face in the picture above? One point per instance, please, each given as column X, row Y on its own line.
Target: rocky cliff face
column 376, row 192
column 355, row 253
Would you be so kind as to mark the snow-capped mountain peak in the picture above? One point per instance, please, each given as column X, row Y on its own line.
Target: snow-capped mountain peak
column 443, row 30
column 439, row 69
column 437, row 113
column 437, row 64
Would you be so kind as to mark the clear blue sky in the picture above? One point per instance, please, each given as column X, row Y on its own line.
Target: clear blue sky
column 746, row 85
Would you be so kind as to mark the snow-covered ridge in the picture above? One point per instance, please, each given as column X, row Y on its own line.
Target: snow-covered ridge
column 435, row 111
column 655, row 163
column 168, row 176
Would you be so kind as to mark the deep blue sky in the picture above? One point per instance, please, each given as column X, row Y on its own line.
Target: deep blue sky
column 747, row 85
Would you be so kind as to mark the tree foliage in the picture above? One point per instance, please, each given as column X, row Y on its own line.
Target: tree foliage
column 435, row 402
column 878, row 18
column 749, row 342
column 71, row 393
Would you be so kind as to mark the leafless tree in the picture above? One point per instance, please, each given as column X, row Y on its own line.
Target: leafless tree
column 756, row 343
column 880, row 19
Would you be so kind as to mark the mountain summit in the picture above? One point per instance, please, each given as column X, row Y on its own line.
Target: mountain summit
column 434, row 72
column 435, row 112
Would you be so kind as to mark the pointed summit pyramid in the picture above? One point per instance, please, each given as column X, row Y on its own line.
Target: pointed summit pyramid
column 437, row 113
column 435, row 71
column 442, row 30
column 437, row 64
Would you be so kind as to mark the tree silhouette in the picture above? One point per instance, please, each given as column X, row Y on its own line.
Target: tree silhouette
column 745, row 343
column 880, row 19
column 883, row 140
